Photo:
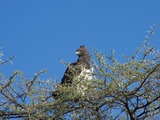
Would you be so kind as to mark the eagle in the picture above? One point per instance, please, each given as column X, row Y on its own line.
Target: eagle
column 78, row 73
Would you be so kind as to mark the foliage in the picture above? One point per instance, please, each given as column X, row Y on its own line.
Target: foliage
column 126, row 91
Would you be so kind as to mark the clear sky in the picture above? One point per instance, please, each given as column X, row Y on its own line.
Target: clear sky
column 41, row 32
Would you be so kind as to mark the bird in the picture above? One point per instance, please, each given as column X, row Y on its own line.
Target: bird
column 78, row 73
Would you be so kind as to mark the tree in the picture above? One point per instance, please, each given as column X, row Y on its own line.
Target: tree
column 126, row 91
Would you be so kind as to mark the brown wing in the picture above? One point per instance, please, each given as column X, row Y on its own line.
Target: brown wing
column 71, row 72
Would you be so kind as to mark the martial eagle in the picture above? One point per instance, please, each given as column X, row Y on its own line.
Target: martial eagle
column 79, row 72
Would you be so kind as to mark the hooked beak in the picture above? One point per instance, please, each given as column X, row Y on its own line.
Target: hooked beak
column 77, row 52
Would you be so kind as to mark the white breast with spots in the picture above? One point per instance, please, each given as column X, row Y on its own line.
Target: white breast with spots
column 84, row 81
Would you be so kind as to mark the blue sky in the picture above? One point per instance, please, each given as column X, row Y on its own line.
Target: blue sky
column 39, row 33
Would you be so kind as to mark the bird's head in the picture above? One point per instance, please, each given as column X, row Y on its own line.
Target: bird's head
column 82, row 51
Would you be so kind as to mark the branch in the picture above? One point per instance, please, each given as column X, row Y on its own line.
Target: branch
column 10, row 80
column 147, row 104
column 145, row 112
column 10, row 115
column 149, row 74
column 3, row 62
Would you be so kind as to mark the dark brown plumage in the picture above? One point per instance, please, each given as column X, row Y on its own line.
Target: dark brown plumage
column 75, row 69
